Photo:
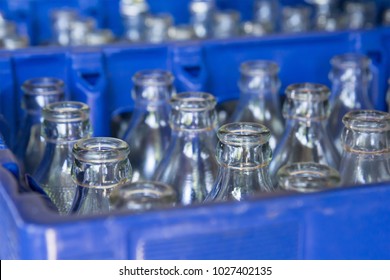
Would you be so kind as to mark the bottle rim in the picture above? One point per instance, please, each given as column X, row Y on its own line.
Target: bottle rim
column 153, row 77
column 367, row 120
column 255, row 68
column 193, row 102
column 66, row 111
column 43, row 86
column 351, row 61
column 308, row 92
column 307, row 177
column 101, row 150
column 244, row 134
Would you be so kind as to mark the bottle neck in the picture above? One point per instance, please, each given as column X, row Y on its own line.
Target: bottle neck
column 150, row 94
column 193, row 121
column 33, row 104
column 307, row 112
column 366, row 142
column 56, row 132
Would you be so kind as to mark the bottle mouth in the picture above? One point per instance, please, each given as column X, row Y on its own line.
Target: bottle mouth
column 193, row 102
column 307, row 177
column 143, row 195
column 101, row 150
column 367, row 120
column 154, row 77
column 308, row 92
column 257, row 68
column 43, row 86
column 350, row 61
column 244, row 134
column 66, row 111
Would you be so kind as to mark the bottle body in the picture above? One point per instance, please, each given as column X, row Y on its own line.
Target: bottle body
column 149, row 133
column 243, row 155
column 189, row 164
column 202, row 13
column 305, row 138
column 259, row 97
column 366, row 157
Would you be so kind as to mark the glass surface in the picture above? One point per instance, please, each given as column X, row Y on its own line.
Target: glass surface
column 296, row 19
column 202, row 14
column 189, row 164
column 226, row 24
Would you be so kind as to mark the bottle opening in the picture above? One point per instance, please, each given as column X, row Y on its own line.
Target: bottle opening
column 67, row 111
column 351, row 61
column 193, row 101
column 259, row 68
column 153, row 78
column 307, row 177
column 367, row 120
column 308, row 92
column 101, row 150
column 43, row 86
column 244, row 134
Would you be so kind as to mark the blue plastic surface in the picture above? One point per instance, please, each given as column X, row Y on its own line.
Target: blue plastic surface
column 348, row 223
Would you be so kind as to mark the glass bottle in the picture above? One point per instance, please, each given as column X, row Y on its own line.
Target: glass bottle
column 133, row 14
column 189, row 164
column 307, row 177
column 80, row 28
column 366, row 157
column 62, row 20
column 359, row 14
column 99, row 37
column 148, row 133
column 202, row 13
column 326, row 14
column 243, row 154
column 100, row 165
column 142, row 196
column 259, row 97
column 64, row 123
column 265, row 13
column 226, row 24
column 181, row 32
column 38, row 93
column 350, row 76
column 305, row 138
column 295, row 19
column 157, row 27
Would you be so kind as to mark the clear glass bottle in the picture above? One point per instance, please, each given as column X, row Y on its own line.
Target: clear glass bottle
column 226, row 24
column 351, row 78
column 266, row 13
column 181, row 32
column 149, row 133
column 359, row 14
column 202, row 14
column 62, row 20
column 64, row 123
column 295, row 19
column 189, row 164
column 305, row 139
column 143, row 196
column 326, row 17
column 100, row 165
column 307, row 177
column 366, row 157
column 157, row 27
column 99, row 37
column 133, row 14
column 80, row 28
column 243, row 154
column 259, row 97
column 38, row 93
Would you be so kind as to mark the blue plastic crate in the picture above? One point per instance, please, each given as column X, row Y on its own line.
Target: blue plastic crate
column 348, row 223
column 33, row 16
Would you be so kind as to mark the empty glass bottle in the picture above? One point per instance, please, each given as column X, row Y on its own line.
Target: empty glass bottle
column 226, row 24
column 99, row 37
column 80, row 28
column 133, row 14
column 38, row 92
column 243, row 154
column 351, row 76
column 295, row 19
column 359, row 14
column 326, row 17
column 157, row 27
column 266, row 13
column 149, row 132
column 189, row 164
column 307, row 177
column 259, row 97
column 142, row 196
column 64, row 123
column 100, row 166
column 305, row 138
column 250, row 28
column 202, row 13
column 62, row 20
column 181, row 32
column 366, row 157
column 14, row 42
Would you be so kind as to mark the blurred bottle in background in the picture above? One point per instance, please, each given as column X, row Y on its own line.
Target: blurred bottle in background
column 359, row 14
column 133, row 14
column 226, row 24
column 266, row 14
column 157, row 27
column 327, row 14
column 296, row 19
column 202, row 15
